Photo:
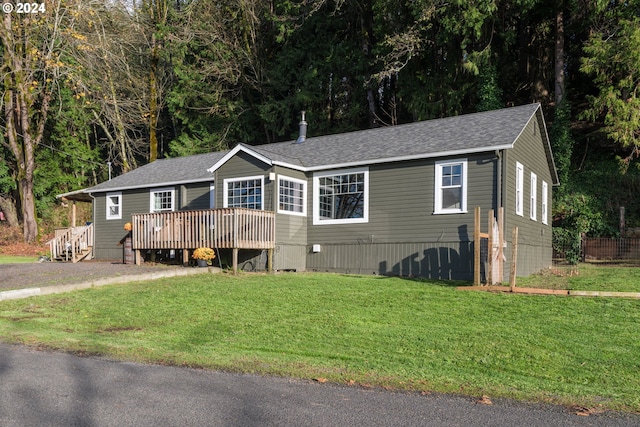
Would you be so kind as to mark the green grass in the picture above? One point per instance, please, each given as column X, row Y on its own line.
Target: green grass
column 12, row 259
column 586, row 277
column 377, row 331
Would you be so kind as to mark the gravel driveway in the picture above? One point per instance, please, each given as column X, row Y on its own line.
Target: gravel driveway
column 32, row 275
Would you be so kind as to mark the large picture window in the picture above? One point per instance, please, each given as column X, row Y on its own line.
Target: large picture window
column 244, row 192
column 341, row 197
column 292, row 195
column 162, row 200
column 114, row 205
column 451, row 187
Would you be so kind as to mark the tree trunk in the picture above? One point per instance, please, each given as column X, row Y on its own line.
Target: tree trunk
column 8, row 207
column 559, row 56
column 153, row 101
column 29, row 222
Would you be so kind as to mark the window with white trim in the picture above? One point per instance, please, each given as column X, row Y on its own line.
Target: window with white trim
column 450, row 186
column 544, row 213
column 519, row 189
column 114, row 205
column 292, row 196
column 533, row 207
column 244, row 192
column 162, row 199
column 341, row 197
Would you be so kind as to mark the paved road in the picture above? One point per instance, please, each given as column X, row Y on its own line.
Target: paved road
column 55, row 389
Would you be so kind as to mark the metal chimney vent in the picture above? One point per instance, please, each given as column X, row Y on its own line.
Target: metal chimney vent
column 303, row 130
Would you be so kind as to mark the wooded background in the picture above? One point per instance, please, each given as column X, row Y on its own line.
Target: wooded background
column 90, row 85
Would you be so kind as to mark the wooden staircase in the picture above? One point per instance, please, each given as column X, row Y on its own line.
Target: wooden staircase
column 72, row 244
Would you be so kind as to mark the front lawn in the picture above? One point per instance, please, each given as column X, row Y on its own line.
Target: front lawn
column 377, row 331
column 586, row 277
column 12, row 259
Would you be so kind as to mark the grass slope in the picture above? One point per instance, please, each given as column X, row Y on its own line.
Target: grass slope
column 376, row 331
column 13, row 259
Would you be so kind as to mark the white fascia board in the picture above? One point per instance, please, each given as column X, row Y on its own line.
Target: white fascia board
column 152, row 185
column 405, row 158
column 234, row 151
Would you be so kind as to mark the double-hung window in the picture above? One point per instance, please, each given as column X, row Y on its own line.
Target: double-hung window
column 451, row 186
column 292, row 195
column 519, row 189
column 244, row 192
column 341, row 197
column 533, row 208
column 114, row 205
column 162, row 199
column 545, row 202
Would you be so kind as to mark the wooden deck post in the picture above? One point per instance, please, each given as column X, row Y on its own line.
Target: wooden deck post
column 270, row 260
column 138, row 256
column 235, row 260
column 514, row 258
column 185, row 257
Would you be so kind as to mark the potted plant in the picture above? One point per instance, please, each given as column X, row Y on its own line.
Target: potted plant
column 203, row 255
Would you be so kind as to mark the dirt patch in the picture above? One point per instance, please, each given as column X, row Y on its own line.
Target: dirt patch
column 12, row 243
column 36, row 275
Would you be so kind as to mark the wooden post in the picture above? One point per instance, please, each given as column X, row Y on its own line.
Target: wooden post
column 476, row 247
column 270, row 260
column 500, row 254
column 235, row 260
column 514, row 258
column 73, row 214
column 490, row 256
column 138, row 256
column 185, row 257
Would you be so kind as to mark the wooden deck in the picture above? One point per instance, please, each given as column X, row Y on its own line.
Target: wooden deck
column 229, row 228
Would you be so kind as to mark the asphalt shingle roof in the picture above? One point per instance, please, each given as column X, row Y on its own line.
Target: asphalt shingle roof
column 465, row 133
column 468, row 133
column 164, row 172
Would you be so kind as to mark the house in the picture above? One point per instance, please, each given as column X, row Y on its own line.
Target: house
column 395, row 200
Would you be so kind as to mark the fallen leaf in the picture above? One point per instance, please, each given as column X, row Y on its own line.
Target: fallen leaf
column 320, row 380
column 485, row 400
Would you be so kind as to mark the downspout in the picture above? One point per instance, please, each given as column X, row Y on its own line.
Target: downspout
column 499, row 195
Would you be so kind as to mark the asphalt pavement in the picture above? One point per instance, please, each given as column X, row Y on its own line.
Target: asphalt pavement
column 42, row 388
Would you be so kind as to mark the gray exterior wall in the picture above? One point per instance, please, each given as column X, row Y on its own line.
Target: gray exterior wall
column 108, row 233
column 291, row 230
column 534, row 237
column 244, row 165
column 403, row 235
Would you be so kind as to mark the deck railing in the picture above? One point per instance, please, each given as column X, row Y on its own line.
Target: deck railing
column 214, row 228
column 72, row 244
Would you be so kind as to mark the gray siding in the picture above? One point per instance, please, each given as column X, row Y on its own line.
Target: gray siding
column 243, row 165
column 437, row 260
column 194, row 196
column 534, row 237
column 108, row 233
column 403, row 235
